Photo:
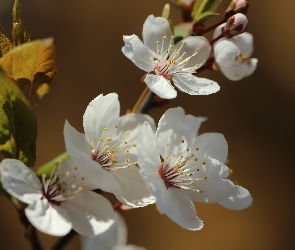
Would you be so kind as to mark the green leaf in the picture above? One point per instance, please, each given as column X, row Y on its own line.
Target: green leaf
column 18, row 126
column 183, row 29
column 19, row 35
column 32, row 67
column 206, row 16
column 202, row 6
column 49, row 166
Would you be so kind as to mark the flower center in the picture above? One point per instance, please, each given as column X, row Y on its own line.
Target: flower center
column 241, row 59
column 170, row 62
column 182, row 170
column 112, row 154
column 58, row 188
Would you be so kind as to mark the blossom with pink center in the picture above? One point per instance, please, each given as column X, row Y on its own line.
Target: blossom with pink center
column 166, row 62
column 59, row 202
column 108, row 150
column 181, row 167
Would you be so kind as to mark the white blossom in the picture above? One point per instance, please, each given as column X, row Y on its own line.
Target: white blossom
column 233, row 55
column 181, row 167
column 115, row 238
column 108, row 150
column 165, row 62
column 60, row 201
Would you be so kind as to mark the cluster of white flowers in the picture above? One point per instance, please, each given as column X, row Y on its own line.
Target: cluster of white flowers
column 125, row 156
column 170, row 165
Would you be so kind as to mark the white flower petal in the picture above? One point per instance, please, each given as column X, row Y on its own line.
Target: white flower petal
column 102, row 112
column 187, row 1
column 47, row 219
column 134, row 191
column 193, row 85
column 218, row 30
column 149, row 159
column 226, row 51
column 75, row 142
column 195, row 44
column 91, row 170
column 239, row 200
column 138, row 53
column 213, row 190
column 173, row 127
column 115, row 235
column 89, row 213
column 96, row 176
column 179, row 208
column 20, row 181
column 215, row 187
column 246, row 43
column 154, row 28
column 212, row 145
column 132, row 123
column 240, row 70
column 160, row 86
column 128, row 247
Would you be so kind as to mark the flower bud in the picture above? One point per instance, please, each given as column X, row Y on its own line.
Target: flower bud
column 235, row 25
column 236, row 6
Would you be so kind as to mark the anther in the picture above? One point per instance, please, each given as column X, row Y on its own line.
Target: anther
column 105, row 129
column 127, row 133
column 157, row 42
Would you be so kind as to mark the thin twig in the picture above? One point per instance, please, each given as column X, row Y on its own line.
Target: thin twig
column 31, row 232
column 60, row 244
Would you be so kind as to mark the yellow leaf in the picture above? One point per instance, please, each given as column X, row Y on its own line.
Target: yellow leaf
column 32, row 66
column 5, row 44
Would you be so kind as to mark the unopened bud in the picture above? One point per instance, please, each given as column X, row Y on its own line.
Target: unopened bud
column 236, row 6
column 235, row 25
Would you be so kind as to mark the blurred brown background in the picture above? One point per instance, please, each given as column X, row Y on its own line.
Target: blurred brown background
column 256, row 115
